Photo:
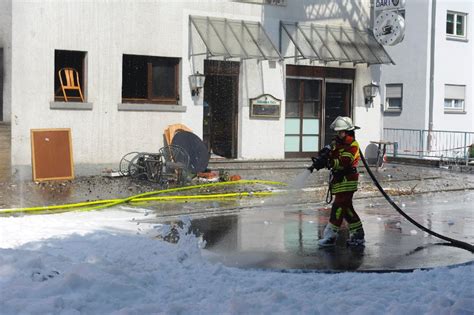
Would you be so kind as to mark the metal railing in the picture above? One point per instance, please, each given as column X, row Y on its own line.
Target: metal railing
column 453, row 146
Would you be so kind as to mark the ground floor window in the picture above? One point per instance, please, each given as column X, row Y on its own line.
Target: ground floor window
column 69, row 75
column 147, row 79
column 454, row 98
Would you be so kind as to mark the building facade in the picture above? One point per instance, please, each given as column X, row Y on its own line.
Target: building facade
column 276, row 75
column 431, row 85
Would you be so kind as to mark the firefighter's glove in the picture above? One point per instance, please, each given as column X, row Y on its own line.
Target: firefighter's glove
column 324, row 152
column 318, row 163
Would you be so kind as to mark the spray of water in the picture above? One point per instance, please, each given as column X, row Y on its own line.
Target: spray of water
column 300, row 180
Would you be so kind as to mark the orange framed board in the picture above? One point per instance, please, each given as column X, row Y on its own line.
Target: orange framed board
column 51, row 154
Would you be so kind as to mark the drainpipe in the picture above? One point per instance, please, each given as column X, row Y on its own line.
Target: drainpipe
column 432, row 68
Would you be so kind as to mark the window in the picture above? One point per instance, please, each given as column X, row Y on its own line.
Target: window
column 456, row 24
column 454, row 98
column 73, row 87
column 148, row 79
column 393, row 97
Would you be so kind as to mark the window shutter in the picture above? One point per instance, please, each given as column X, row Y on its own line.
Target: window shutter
column 455, row 92
column 393, row 91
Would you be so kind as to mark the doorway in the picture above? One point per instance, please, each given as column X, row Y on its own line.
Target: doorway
column 302, row 117
column 220, row 115
column 337, row 103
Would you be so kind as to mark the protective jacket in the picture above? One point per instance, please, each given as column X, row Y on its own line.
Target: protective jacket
column 343, row 160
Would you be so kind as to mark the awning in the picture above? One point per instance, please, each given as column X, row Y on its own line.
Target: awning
column 335, row 43
column 235, row 38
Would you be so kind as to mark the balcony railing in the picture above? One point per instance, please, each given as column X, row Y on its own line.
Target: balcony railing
column 457, row 146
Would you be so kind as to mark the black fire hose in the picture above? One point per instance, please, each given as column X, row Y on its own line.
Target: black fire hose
column 453, row 242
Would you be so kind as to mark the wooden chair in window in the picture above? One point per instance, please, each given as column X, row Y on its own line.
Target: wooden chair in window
column 69, row 80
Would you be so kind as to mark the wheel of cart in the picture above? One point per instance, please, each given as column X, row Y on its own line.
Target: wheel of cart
column 176, row 164
column 142, row 165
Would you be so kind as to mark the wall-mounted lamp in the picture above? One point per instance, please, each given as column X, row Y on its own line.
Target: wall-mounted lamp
column 370, row 91
column 197, row 82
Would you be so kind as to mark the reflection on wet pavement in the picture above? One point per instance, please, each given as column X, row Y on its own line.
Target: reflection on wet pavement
column 285, row 237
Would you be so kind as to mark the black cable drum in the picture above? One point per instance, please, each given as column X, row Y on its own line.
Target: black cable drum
column 195, row 147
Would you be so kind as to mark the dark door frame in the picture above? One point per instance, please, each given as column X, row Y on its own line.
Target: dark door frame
column 227, row 69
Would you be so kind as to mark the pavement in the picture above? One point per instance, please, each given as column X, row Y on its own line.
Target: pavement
column 281, row 232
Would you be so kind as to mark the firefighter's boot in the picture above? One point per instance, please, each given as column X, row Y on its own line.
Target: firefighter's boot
column 329, row 236
column 356, row 238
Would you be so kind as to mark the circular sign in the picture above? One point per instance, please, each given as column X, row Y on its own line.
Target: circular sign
column 389, row 28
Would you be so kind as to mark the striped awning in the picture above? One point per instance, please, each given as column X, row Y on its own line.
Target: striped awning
column 235, row 38
column 335, row 43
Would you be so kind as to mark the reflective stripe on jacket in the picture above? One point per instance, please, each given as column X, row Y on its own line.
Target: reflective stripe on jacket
column 343, row 160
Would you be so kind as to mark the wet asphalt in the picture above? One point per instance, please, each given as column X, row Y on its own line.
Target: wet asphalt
column 281, row 232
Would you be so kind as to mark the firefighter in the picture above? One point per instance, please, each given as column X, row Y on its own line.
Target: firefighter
column 342, row 157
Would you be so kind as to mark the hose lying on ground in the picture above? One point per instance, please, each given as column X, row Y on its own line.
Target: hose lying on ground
column 144, row 197
column 453, row 242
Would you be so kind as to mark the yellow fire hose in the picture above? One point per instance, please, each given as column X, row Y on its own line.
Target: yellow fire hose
column 144, row 197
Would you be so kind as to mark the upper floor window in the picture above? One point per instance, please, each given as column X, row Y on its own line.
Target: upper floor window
column 393, row 97
column 454, row 98
column 456, row 24
column 69, row 75
column 148, row 79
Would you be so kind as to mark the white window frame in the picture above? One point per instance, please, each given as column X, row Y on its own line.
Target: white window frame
column 454, row 35
column 450, row 101
column 389, row 108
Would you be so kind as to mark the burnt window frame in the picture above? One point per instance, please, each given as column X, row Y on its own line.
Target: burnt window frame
column 77, row 59
column 150, row 98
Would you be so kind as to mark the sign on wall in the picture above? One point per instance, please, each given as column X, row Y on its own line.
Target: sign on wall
column 389, row 21
column 265, row 106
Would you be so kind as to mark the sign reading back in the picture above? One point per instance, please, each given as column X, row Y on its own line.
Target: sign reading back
column 265, row 106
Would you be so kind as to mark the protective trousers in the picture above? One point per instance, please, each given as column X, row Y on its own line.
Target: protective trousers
column 342, row 208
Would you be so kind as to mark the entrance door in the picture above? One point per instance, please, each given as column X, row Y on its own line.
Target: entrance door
column 337, row 103
column 302, row 119
column 220, row 119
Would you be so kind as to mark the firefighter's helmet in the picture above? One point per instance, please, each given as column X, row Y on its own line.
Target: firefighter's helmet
column 343, row 123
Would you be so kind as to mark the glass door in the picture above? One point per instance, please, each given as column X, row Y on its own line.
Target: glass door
column 302, row 118
column 338, row 103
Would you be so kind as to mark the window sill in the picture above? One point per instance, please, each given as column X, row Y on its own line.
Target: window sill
column 393, row 110
column 457, row 39
column 70, row 105
column 456, row 112
column 150, row 107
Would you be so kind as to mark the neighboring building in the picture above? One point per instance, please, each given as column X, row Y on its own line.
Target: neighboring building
column 431, row 85
column 134, row 60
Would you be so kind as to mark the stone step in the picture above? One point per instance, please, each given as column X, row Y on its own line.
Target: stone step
column 227, row 164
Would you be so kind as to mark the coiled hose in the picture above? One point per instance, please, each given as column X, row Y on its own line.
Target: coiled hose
column 452, row 242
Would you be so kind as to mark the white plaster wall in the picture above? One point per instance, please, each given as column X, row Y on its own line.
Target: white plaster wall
column 5, row 43
column 366, row 116
column 106, row 31
column 412, row 70
column 454, row 65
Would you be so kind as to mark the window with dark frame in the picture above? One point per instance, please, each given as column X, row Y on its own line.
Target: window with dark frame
column 147, row 79
column 64, row 59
